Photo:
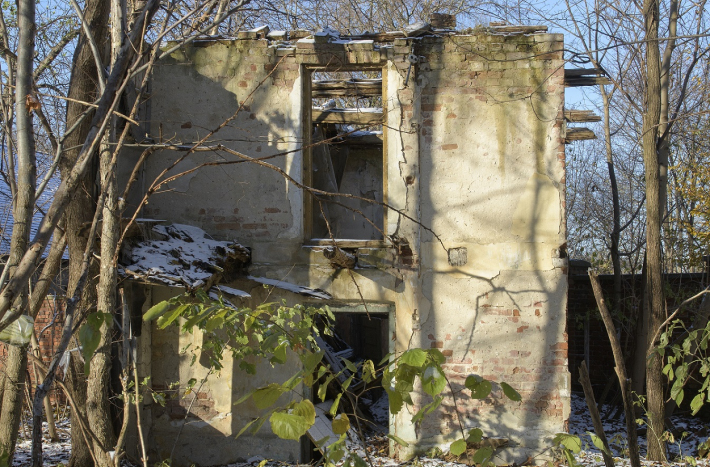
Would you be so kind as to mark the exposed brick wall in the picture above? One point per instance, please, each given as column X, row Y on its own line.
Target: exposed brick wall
column 52, row 312
column 474, row 131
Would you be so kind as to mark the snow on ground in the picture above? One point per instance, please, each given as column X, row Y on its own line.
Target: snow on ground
column 686, row 444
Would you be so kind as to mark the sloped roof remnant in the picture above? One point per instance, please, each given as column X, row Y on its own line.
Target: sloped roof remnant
column 186, row 256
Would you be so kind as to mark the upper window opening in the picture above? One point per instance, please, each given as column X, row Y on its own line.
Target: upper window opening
column 346, row 155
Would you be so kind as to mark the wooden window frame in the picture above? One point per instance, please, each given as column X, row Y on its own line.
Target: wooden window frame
column 307, row 131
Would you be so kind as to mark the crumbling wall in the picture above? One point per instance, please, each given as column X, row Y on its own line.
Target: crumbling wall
column 473, row 166
column 488, row 113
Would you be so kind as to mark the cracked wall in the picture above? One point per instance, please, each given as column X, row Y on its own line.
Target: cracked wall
column 474, row 161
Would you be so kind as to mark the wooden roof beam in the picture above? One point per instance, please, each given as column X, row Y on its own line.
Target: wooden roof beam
column 579, row 134
column 346, row 116
column 579, row 116
column 347, row 88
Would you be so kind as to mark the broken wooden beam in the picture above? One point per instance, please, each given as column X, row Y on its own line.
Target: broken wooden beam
column 347, row 88
column 579, row 134
column 578, row 116
column 576, row 77
column 347, row 116
column 339, row 258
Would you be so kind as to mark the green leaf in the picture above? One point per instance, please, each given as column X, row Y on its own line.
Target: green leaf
column 571, row 442
column 158, row 398
column 398, row 440
column 396, row 402
column 306, row 410
column 349, row 365
column 341, row 424
column 437, row 356
column 480, row 388
column 433, row 381
column 311, row 360
column 90, row 337
column 346, row 384
column 157, row 310
column 319, row 443
column 510, row 393
column 244, row 397
column 475, row 436
column 279, row 354
column 599, row 444
column 697, row 403
column 368, row 371
column 334, row 407
column 288, row 425
column 165, row 320
column 249, row 368
column 482, row 455
column 677, row 393
column 458, row 447
column 246, row 427
column 322, row 389
column 267, row 396
column 413, row 357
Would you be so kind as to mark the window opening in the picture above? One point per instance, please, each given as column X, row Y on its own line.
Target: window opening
column 346, row 155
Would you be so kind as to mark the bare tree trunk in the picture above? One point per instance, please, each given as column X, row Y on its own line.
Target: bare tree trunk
column 16, row 365
column 665, row 79
column 15, row 369
column 80, row 211
column 616, row 231
column 98, row 409
column 654, row 313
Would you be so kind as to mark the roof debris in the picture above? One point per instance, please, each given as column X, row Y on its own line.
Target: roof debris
column 185, row 256
column 315, row 293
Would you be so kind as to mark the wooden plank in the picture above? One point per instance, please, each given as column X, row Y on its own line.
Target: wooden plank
column 586, row 81
column 576, row 77
column 579, row 116
column 346, row 116
column 579, row 134
column 570, row 72
column 323, row 426
column 347, row 88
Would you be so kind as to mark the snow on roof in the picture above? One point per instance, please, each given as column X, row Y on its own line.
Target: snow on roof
column 187, row 256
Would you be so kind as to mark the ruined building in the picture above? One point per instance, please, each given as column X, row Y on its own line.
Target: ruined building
column 458, row 137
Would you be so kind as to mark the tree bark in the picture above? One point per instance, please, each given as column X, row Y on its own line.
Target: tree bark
column 654, row 313
column 83, row 87
column 98, row 409
column 15, row 370
column 23, row 207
